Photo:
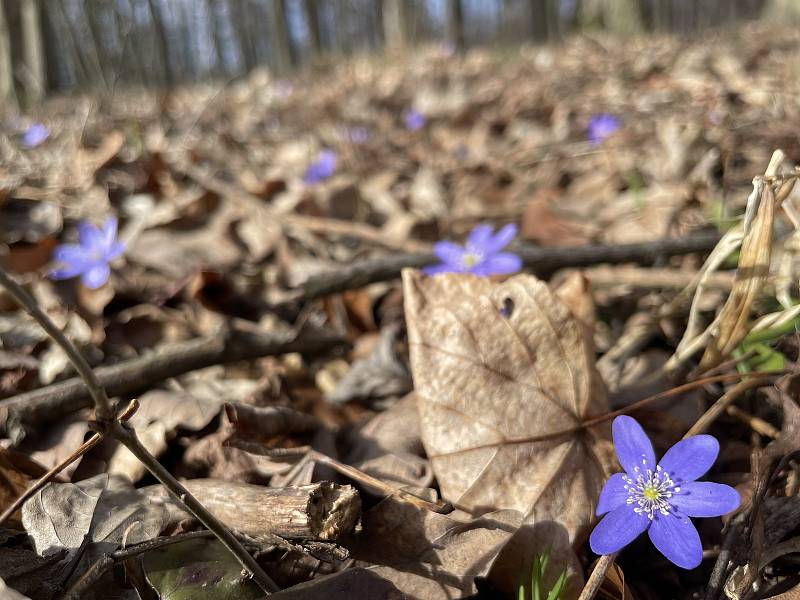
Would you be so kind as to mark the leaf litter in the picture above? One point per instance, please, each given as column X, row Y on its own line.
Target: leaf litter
column 483, row 394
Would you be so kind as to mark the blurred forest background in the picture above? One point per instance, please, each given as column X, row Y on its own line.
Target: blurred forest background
column 95, row 45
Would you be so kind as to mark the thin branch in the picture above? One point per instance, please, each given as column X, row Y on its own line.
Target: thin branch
column 49, row 403
column 107, row 561
column 597, row 577
column 127, row 437
column 716, row 409
column 48, row 477
column 25, row 300
column 539, row 260
column 639, row 404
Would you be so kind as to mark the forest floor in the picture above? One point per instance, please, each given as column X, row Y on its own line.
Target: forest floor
column 462, row 423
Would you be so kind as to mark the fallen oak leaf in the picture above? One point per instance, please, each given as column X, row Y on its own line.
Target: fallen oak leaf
column 497, row 368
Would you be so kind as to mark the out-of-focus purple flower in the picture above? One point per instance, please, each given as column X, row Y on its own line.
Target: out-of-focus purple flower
column 283, row 89
column 414, row 120
column 481, row 255
column 322, row 168
column 601, row 127
column 358, row 135
column 35, row 135
column 89, row 258
column 660, row 498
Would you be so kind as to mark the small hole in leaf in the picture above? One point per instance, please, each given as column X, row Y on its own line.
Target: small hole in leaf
column 508, row 307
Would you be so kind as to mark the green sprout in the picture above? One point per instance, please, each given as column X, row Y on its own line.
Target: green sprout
column 536, row 591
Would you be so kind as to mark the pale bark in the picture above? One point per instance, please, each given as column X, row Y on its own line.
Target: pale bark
column 395, row 23
column 782, row 10
column 7, row 95
column 34, row 78
column 623, row 16
column 320, row 511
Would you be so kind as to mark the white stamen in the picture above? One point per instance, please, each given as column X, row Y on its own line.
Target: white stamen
column 650, row 491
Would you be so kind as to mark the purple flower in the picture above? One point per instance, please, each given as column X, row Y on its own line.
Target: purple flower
column 322, row 169
column 601, row 127
column 480, row 256
column 414, row 120
column 35, row 135
column 90, row 257
column 358, row 135
column 660, row 498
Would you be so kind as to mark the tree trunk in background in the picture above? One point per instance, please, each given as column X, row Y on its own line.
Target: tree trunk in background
column 538, row 20
column 782, row 10
column 7, row 95
column 311, row 14
column 34, row 78
column 623, row 16
column 454, row 24
column 279, row 36
column 395, row 23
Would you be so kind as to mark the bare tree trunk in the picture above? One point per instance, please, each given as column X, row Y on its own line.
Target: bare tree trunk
column 7, row 95
column 279, row 36
column 311, row 13
column 539, row 20
column 454, row 24
column 782, row 10
column 34, row 77
column 623, row 16
column 396, row 23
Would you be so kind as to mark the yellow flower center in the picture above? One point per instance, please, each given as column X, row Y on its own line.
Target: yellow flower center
column 470, row 259
column 650, row 493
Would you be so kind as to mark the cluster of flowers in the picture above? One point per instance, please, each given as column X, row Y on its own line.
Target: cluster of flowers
column 657, row 497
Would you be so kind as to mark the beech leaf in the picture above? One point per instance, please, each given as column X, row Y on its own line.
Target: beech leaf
column 503, row 373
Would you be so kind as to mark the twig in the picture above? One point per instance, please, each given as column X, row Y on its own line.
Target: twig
column 639, row 404
column 47, row 477
column 104, row 563
column 760, row 426
column 716, row 409
column 127, row 437
column 597, row 576
column 96, row 391
column 539, row 260
column 725, row 555
column 51, row 402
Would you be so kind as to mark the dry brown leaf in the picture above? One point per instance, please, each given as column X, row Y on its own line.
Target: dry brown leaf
column 16, row 474
column 388, row 446
column 431, row 556
column 497, row 366
column 10, row 594
column 792, row 594
column 751, row 275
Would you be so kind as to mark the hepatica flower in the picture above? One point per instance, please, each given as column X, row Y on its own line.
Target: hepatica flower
column 660, row 498
column 90, row 257
column 322, row 169
column 481, row 255
column 35, row 135
column 358, row 135
column 414, row 120
column 601, row 127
